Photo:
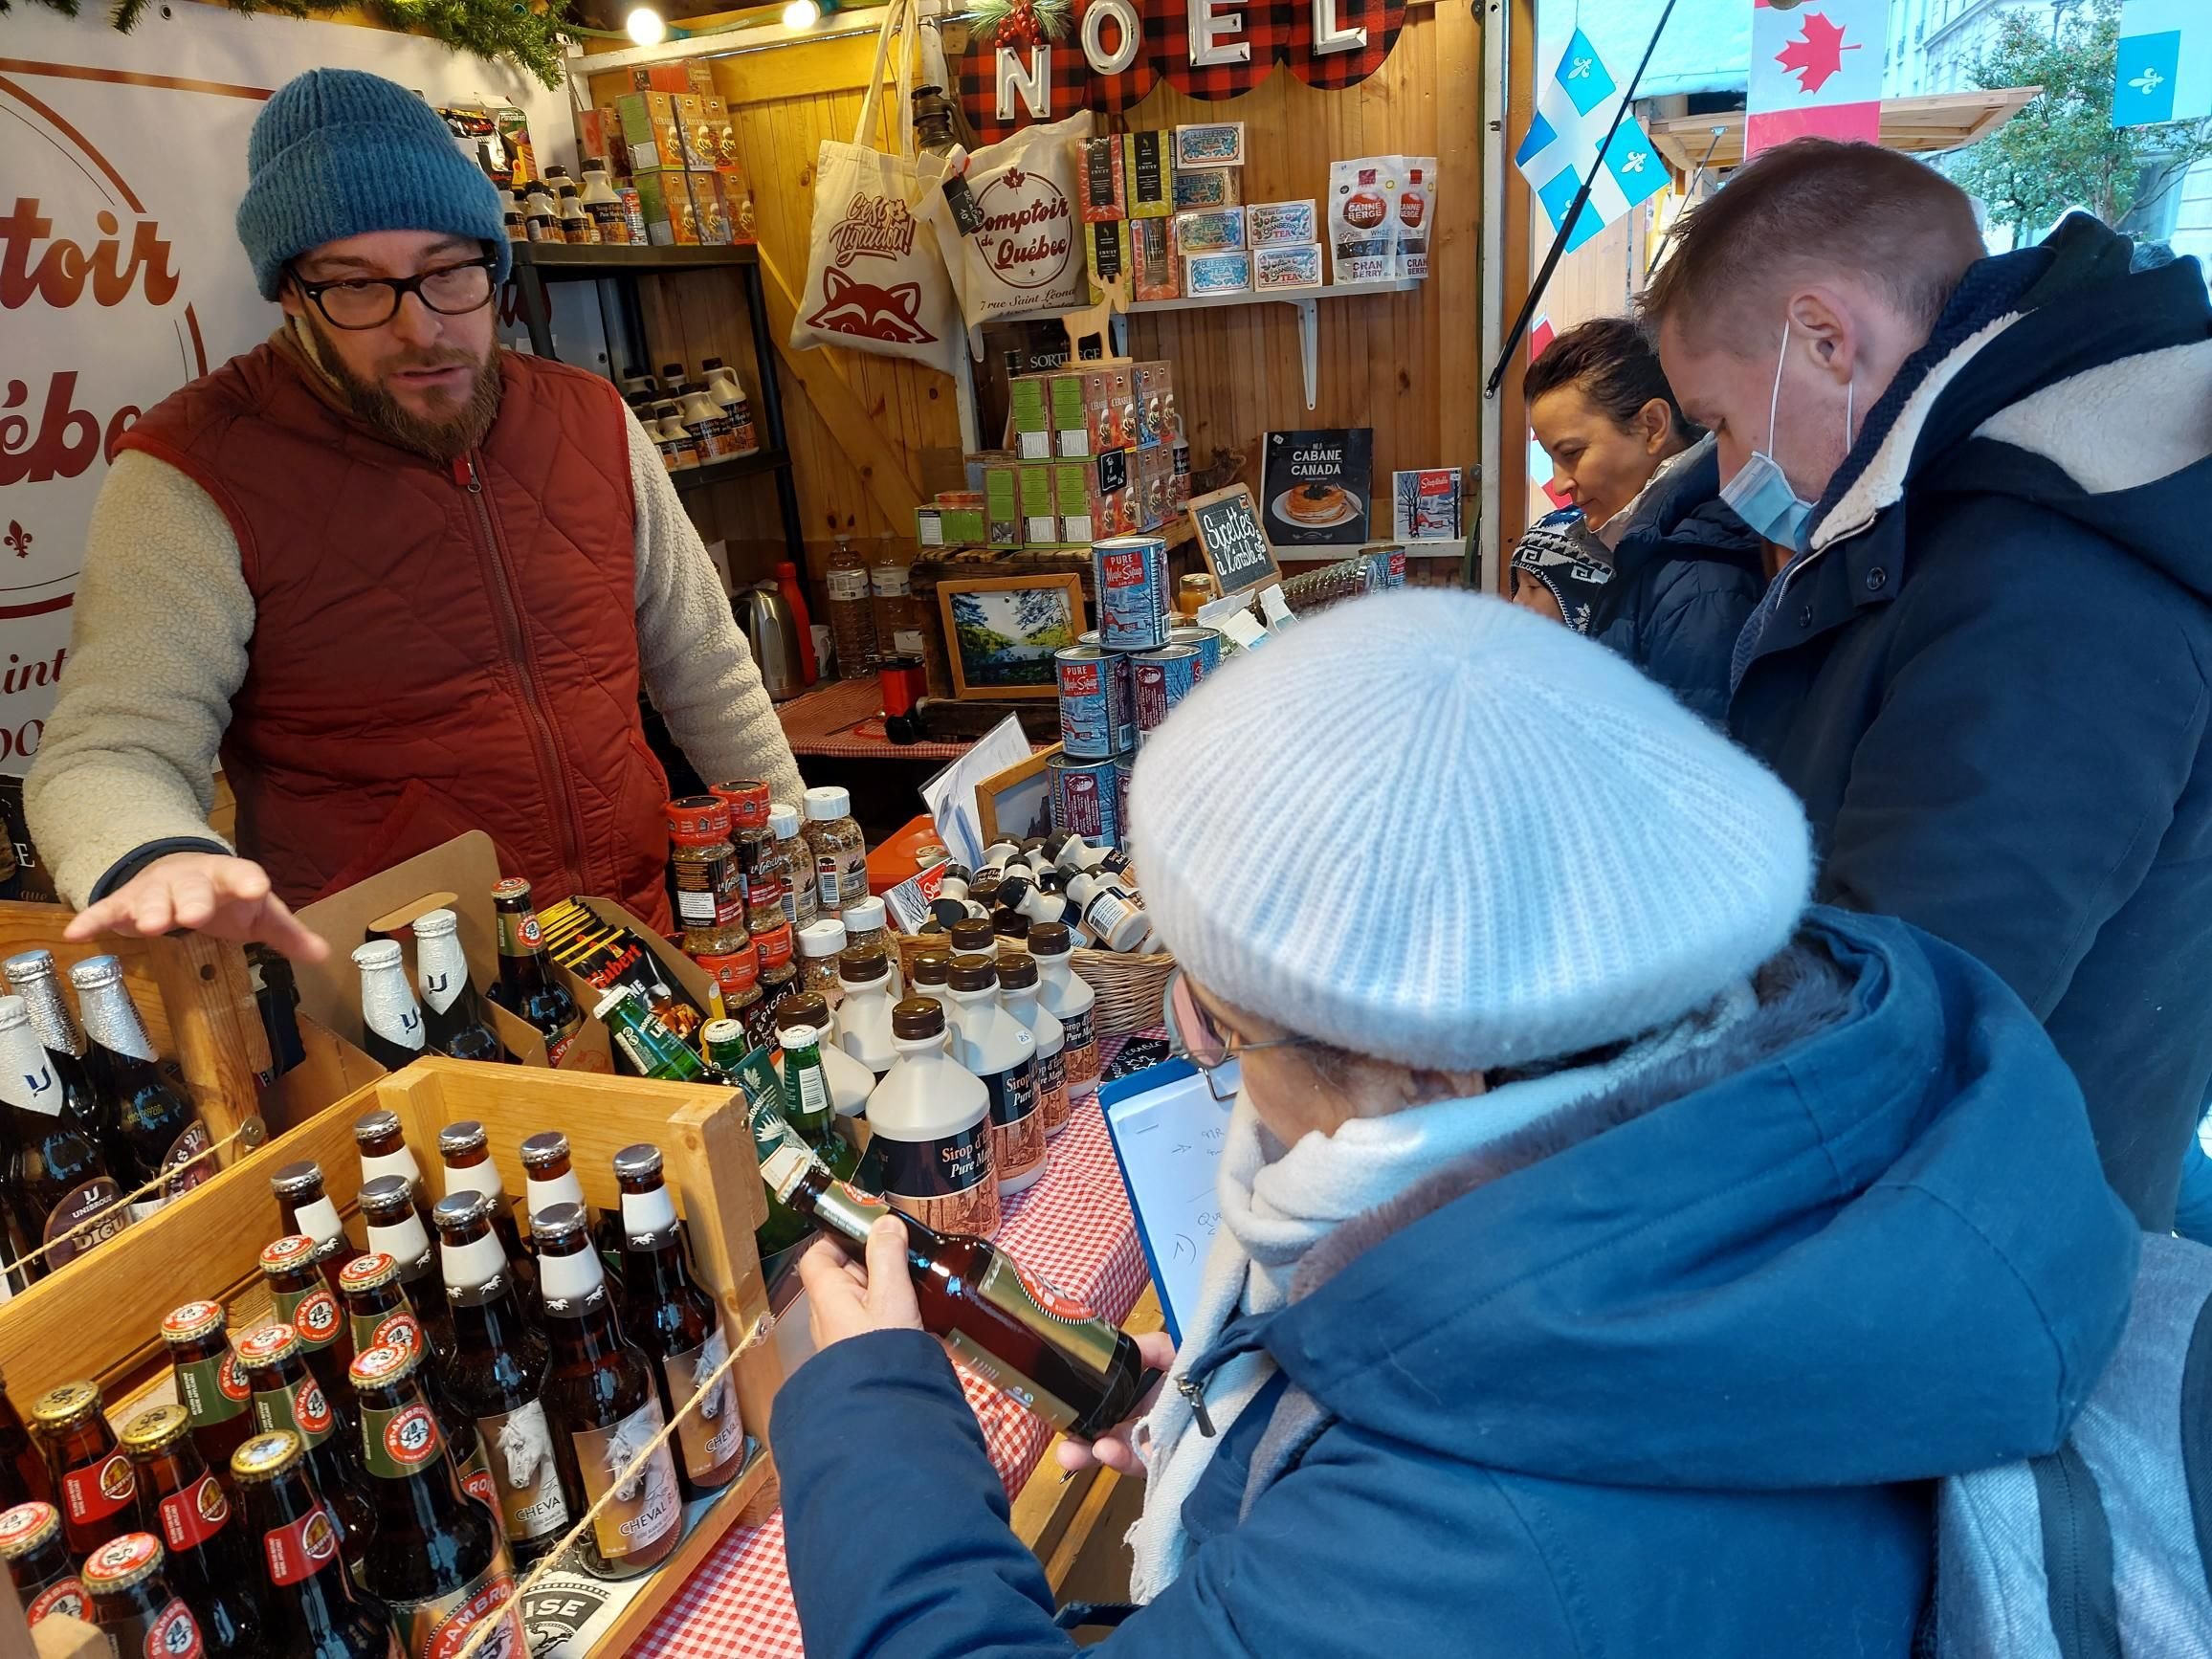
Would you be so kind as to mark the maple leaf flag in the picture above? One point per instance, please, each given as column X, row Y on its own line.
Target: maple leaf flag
column 1816, row 67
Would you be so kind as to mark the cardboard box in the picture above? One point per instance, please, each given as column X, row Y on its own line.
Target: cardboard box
column 709, row 210
column 668, row 77
column 664, row 198
column 1224, row 272
column 1155, row 260
column 1211, row 230
column 1105, row 255
column 1206, row 187
column 698, row 138
column 1002, row 488
column 698, row 76
column 1156, row 421
column 1275, row 269
column 1281, row 225
column 1030, row 416
column 1148, row 174
column 1072, row 496
column 1040, row 504
column 652, row 130
column 1070, row 423
column 1098, row 173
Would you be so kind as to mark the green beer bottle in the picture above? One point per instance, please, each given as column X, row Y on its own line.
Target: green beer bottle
column 643, row 1041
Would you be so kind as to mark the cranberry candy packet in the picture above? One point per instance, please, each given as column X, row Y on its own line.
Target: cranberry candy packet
column 1416, row 213
column 1362, row 210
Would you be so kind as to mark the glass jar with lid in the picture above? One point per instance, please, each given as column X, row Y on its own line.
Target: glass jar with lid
column 710, row 895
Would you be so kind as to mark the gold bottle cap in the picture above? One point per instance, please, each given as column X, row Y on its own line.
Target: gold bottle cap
column 62, row 1409
column 156, row 1429
column 123, row 1562
column 266, row 1456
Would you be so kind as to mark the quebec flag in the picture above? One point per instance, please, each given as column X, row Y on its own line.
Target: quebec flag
column 1572, row 114
column 2165, row 62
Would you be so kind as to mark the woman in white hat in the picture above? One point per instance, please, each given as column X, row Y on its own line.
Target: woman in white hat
column 1611, row 1245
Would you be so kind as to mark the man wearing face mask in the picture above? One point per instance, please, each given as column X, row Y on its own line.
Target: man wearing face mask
column 1984, row 660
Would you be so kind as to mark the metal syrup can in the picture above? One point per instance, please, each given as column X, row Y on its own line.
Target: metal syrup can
column 1086, row 799
column 1097, row 720
column 1135, row 608
column 1160, row 679
column 1205, row 641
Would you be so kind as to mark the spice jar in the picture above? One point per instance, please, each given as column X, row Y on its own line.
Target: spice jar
column 868, row 927
column 710, row 895
column 819, row 942
column 802, row 901
column 760, row 866
column 840, row 853
column 779, row 975
column 737, row 979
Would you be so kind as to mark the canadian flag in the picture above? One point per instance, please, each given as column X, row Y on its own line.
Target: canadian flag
column 1816, row 67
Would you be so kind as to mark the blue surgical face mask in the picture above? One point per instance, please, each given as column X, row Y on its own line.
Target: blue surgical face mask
column 1761, row 491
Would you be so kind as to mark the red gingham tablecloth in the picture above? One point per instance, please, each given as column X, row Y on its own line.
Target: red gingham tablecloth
column 1073, row 1227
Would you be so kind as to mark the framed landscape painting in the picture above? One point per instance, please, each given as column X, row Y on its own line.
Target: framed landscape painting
column 1001, row 632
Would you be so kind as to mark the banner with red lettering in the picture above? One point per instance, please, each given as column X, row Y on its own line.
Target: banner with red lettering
column 1119, row 50
column 120, row 274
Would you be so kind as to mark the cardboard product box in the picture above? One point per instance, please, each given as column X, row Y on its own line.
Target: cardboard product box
column 698, row 76
column 1071, row 419
column 1156, row 418
column 1115, row 505
column 1224, row 273
column 1105, row 255
column 1098, row 173
column 1207, row 187
column 709, row 210
column 1281, row 224
column 1073, row 497
column 1148, row 174
column 1040, row 504
column 664, row 198
column 668, row 77
column 1030, row 416
column 1155, row 260
column 652, row 131
column 616, row 148
column 1002, row 483
column 1157, row 485
column 1110, row 404
column 1211, row 230
column 1274, row 269
column 929, row 527
column 590, row 134
column 699, row 143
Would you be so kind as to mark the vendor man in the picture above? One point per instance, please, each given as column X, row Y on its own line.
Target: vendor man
column 405, row 581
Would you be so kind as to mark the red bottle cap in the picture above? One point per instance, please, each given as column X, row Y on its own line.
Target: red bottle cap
column 700, row 820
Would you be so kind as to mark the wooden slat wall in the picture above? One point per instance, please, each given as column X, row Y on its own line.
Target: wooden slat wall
column 1403, row 365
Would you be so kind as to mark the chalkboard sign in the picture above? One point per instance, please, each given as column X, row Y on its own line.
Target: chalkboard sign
column 1229, row 534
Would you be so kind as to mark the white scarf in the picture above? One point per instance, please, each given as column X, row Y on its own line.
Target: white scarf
column 1273, row 1213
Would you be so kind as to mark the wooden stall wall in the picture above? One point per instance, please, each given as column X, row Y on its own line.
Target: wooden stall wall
column 871, row 436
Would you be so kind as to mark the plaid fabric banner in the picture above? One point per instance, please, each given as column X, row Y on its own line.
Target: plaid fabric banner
column 1277, row 31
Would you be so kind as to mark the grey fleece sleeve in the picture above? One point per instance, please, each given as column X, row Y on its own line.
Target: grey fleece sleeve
column 698, row 670
column 157, row 649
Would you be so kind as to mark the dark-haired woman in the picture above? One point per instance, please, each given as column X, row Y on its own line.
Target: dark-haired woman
column 1647, row 559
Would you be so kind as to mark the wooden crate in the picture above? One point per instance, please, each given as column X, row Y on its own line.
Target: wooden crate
column 195, row 995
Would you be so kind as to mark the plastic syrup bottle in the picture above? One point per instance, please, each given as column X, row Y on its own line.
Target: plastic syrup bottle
column 1062, row 994
column 1018, row 996
column 929, row 1122
column 864, row 1016
column 1000, row 1051
column 867, row 927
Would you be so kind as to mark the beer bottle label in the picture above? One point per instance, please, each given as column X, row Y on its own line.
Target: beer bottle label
column 314, row 1313
column 87, row 1215
column 192, row 1517
column 1054, row 1318
column 1017, row 1128
column 1051, row 1088
column 395, row 1443
column 180, row 1157
column 559, row 1043
column 1008, row 1381
column 441, row 1626
column 303, row 1409
column 519, row 1444
column 214, row 1390
column 398, row 1329
column 97, row 1490
column 946, row 1182
column 172, row 1634
column 295, row 1553
column 476, row 1478
column 711, row 1437
column 62, row 1596
column 647, row 1504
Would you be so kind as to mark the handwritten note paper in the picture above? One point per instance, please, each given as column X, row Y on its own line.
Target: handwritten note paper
column 1168, row 1131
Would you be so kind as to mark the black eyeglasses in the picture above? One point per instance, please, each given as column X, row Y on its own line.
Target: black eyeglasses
column 358, row 302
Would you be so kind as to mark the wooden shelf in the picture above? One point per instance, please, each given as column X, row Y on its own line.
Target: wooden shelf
column 569, row 262
column 731, row 467
column 1304, row 300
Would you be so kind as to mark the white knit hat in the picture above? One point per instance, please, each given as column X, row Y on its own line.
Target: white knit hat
column 1436, row 827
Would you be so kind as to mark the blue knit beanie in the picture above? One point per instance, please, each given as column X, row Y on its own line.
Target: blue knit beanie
column 339, row 152
column 1437, row 827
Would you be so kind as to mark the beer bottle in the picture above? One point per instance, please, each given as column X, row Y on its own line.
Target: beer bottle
column 60, row 1187
column 46, row 1580
column 380, row 1314
column 391, row 1020
column 440, row 1563
column 676, row 1324
column 527, row 988
column 808, row 1104
column 605, row 1407
column 498, row 1378
column 1052, row 1354
column 287, row 1396
column 32, row 976
column 210, row 1381
column 644, row 1045
column 306, row 1209
column 305, row 1300
column 314, row 1610
column 184, row 1506
column 726, row 1044
column 128, row 1584
column 90, row 1475
column 453, row 1018
column 157, row 1128
column 466, row 1151
column 387, row 1211
column 549, row 1178
column 22, row 1466
column 384, row 1151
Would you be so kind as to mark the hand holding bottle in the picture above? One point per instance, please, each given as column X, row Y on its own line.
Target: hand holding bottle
column 846, row 1300
column 208, row 893
column 1113, row 1450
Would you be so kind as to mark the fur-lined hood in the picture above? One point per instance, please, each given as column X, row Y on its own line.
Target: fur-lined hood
column 1859, row 1239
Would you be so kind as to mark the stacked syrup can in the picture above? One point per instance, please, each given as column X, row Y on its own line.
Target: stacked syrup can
column 1118, row 684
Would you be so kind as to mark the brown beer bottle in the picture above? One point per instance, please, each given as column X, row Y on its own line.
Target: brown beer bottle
column 157, row 1127
column 527, row 988
column 379, row 1312
column 210, row 1381
column 306, row 1209
column 128, row 1584
column 549, row 1178
column 605, row 1407
column 307, row 1301
column 90, row 1475
column 287, row 1396
column 314, row 1610
column 453, row 1018
column 498, row 1378
column 46, row 1580
column 440, row 1563
column 33, row 976
column 183, row 1505
column 676, row 1324
column 58, row 1184
column 384, row 1151
column 466, row 1151
column 387, row 1211
column 1052, row 1354
column 22, row 1467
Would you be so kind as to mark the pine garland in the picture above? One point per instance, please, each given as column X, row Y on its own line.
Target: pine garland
column 528, row 34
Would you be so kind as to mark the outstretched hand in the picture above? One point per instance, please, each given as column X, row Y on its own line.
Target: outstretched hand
column 208, row 893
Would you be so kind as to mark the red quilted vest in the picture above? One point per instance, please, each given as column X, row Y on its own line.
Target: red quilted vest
column 436, row 648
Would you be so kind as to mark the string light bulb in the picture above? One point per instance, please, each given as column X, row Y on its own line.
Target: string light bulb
column 645, row 27
column 801, row 15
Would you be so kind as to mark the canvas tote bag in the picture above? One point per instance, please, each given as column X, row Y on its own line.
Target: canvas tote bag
column 875, row 279
column 1028, row 259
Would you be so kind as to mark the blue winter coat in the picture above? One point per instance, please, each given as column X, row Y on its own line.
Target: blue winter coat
column 1990, row 680
column 1655, row 1380
column 1687, row 573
